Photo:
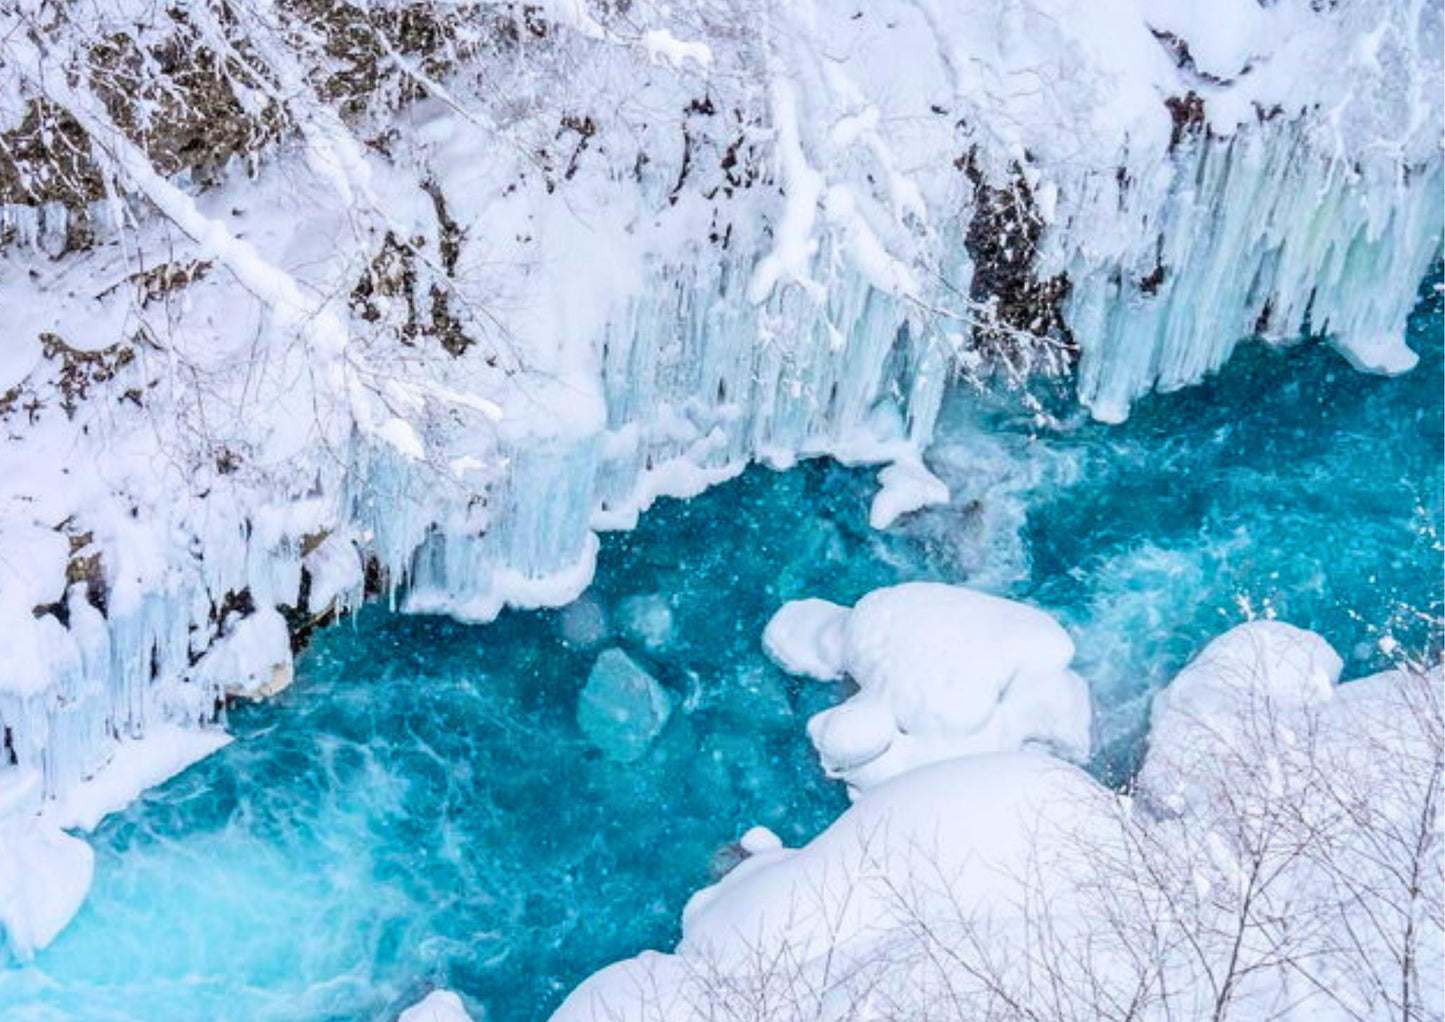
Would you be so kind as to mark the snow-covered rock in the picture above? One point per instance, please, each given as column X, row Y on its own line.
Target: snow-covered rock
column 1245, row 690
column 942, row 671
column 44, row 876
column 253, row 659
column 1016, row 878
column 806, row 637
column 968, row 829
column 437, row 1006
column 904, row 486
column 622, row 708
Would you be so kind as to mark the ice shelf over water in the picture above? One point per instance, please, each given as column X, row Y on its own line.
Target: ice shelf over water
column 792, row 274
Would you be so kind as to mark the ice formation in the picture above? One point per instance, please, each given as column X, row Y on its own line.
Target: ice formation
column 1016, row 878
column 942, row 671
column 44, row 876
column 574, row 282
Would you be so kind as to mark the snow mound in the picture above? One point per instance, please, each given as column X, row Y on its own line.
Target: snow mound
column 942, row 671
column 1255, row 679
column 139, row 764
column 437, row 1006
column 971, row 875
column 973, row 824
column 45, row 873
column 806, row 637
column 44, row 877
column 906, row 486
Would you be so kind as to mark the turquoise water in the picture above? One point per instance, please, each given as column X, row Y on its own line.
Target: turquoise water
column 1288, row 486
column 421, row 809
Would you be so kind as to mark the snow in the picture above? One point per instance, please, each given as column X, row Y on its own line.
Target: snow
column 968, row 822
column 335, row 569
column 253, row 659
column 969, row 874
column 622, row 708
column 437, row 1006
column 907, row 486
column 758, row 840
column 806, row 637
column 1243, row 681
column 44, row 876
column 137, row 764
column 45, row 872
column 637, row 331
column 402, row 436
column 794, row 246
column 942, row 671
column 662, row 45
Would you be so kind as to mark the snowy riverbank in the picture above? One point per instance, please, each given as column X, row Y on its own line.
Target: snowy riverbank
column 430, row 350
column 1276, row 811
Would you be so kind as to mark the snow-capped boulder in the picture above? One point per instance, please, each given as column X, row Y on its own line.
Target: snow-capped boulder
column 977, row 824
column 1249, row 692
column 44, row 876
column 942, row 671
column 437, row 1006
column 806, row 637
column 253, row 660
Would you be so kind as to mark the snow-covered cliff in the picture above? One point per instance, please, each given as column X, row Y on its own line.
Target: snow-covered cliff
column 310, row 300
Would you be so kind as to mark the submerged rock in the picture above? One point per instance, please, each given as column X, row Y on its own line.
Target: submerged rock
column 584, row 623
column 622, row 708
column 648, row 619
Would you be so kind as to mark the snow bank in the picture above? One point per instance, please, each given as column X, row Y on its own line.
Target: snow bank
column 44, row 876
column 972, row 824
column 137, row 765
column 46, row 872
column 1016, row 878
column 437, row 1006
column 942, row 671
column 1238, row 692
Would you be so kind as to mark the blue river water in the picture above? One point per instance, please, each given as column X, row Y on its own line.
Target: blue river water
column 421, row 809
